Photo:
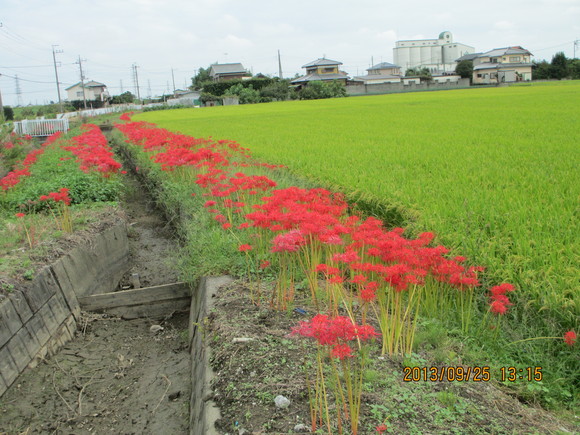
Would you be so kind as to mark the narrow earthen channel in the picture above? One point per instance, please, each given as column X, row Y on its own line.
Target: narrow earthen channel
column 116, row 376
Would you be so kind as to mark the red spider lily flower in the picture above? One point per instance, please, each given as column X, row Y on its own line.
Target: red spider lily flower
column 357, row 279
column 499, row 300
column 209, row 203
column 264, row 264
column 288, row 242
column 19, row 215
column 336, row 280
column 226, row 226
column 60, row 196
column 498, row 307
column 381, row 428
column 570, row 338
column 245, row 247
column 369, row 292
column 341, row 351
column 333, row 331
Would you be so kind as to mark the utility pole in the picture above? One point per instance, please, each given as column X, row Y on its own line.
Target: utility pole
column 136, row 80
column 121, row 83
column 1, row 106
column 149, row 88
column 173, row 78
column 56, row 75
column 279, row 65
column 18, row 91
column 82, row 81
column 576, row 44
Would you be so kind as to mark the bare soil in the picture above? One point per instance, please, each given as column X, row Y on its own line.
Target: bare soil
column 116, row 377
column 151, row 240
column 268, row 362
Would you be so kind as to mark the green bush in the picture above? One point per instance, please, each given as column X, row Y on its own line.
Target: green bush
column 318, row 90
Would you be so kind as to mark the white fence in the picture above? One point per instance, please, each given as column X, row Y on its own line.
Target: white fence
column 40, row 127
column 102, row 111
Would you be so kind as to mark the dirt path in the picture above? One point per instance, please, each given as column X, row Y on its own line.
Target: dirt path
column 150, row 239
column 116, row 376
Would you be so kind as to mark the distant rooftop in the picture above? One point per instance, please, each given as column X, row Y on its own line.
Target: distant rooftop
column 496, row 52
column 322, row 62
column 228, row 68
column 383, row 65
column 89, row 84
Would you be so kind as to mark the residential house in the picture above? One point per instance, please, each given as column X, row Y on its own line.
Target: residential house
column 227, row 71
column 503, row 65
column 185, row 98
column 321, row 70
column 437, row 55
column 92, row 91
column 383, row 72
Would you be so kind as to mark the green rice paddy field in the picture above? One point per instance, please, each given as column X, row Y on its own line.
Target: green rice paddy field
column 495, row 173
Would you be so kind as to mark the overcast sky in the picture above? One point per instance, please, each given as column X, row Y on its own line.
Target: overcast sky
column 158, row 35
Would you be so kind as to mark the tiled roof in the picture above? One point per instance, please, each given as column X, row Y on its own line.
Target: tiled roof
column 496, row 52
column 322, row 62
column 468, row 56
column 90, row 84
column 383, row 65
column 228, row 68
column 320, row 77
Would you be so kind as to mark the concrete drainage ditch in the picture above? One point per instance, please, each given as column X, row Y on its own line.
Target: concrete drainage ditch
column 148, row 373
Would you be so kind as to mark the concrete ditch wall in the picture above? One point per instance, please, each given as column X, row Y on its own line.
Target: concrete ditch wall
column 36, row 323
column 203, row 411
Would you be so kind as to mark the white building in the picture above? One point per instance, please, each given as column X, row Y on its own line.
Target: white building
column 438, row 55
column 92, row 91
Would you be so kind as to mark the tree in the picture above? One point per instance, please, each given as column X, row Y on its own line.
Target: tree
column 124, row 98
column 574, row 68
column 278, row 90
column 8, row 113
column 542, row 70
column 200, row 78
column 423, row 73
column 559, row 66
column 465, row 69
column 247, row 95
column 318, row 89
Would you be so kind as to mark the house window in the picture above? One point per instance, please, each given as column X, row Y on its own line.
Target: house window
column 515, row 59
column 328, row 70
column 79, row 93
column 494, row 60
column 479, row 76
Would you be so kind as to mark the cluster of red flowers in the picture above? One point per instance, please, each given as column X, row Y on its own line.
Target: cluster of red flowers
column 335, row 332
column 296, row 220
column 499, row 300
column 23, row 169
column 126, row 116
column 93, row 152
column 60, row 196
column 570, row 338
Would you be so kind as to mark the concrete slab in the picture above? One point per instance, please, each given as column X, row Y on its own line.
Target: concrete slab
column 10, row 322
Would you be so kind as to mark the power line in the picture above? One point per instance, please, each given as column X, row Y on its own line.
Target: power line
column 25, row 80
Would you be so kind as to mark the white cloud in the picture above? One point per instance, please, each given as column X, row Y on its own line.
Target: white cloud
column 236, row 41
column 504, row 25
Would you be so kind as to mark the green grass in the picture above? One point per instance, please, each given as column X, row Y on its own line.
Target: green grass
column 494, row 172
